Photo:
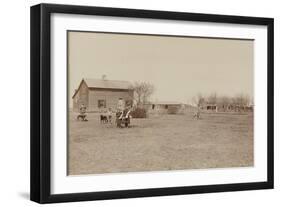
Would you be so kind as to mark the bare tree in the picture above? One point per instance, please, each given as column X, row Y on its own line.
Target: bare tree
column 142, row 92
column 225, row 100
column 198, row 100
column 252, row 101
column 241, row 99
column 212, row 99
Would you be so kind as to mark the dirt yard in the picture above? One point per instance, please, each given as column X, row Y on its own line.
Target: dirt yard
column 166, row 142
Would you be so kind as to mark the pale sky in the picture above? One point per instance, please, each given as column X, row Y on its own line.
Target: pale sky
column 179, row 68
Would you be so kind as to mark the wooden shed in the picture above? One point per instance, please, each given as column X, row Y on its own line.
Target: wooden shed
column 97, row 94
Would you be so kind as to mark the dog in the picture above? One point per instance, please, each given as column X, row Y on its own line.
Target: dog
column 103, row 119
column 82, row 117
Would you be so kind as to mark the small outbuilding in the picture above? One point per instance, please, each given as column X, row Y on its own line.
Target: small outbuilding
column 97, row 94
column 165, row 107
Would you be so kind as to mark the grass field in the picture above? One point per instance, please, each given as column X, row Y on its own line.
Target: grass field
column 166, row 142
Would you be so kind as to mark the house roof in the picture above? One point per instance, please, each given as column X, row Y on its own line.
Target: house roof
column 110, row 84
column 104, row 84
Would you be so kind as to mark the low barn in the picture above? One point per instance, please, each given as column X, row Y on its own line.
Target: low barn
column 224, row 106
column 169, row 107
column 98, row 94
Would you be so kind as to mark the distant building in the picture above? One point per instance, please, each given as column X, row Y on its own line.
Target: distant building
column 98, row 94
column 226, row 106
column 168, row 107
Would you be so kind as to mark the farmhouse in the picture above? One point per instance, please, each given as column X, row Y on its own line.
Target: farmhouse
column 98, row 94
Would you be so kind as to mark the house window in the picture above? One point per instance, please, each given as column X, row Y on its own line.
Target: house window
column 101, row 104
column 153, row 106
column 166, row 106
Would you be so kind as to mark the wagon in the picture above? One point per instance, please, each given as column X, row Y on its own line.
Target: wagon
column 123, row 118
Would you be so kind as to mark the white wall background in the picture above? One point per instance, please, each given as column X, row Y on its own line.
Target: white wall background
column 14, row 101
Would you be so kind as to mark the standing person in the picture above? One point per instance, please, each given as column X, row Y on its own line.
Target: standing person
column 119, row 112
column 120, row 105
column 197, row 114
column 126, row 115
column 109, row 115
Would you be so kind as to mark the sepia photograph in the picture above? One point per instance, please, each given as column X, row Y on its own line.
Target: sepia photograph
column 132, row 103
column 144, row 103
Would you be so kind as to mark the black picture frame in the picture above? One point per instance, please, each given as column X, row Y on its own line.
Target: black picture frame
column 40, row 184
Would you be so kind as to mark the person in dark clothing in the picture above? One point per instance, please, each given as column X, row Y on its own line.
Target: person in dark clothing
column 126, row 116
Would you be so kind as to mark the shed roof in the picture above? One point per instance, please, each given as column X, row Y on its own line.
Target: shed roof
column 166, row 103
column 104, row 84
column 110, row 84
